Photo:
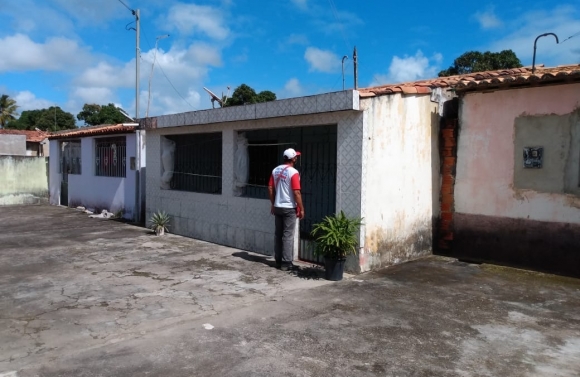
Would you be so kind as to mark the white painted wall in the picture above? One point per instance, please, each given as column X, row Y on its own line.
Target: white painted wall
column 485, row 156
column 23, row 180
column 246, row 223
column 91, row 191
column 401, row 178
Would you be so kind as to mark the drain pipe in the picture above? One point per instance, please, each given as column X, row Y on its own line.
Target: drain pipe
column 536, row 41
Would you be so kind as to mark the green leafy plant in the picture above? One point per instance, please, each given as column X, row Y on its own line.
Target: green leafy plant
column 159, row 222
column 119, row 214
column 336, row 236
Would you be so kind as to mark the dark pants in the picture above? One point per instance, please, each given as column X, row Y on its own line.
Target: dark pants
column 284, row 243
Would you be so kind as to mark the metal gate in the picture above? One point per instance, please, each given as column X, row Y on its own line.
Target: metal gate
column 70, row 163
column 317, row 167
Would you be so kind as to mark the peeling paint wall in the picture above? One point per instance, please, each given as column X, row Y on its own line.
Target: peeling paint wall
column 508, row 214
column 23, row 180
column 401, row 179
column 487, row 159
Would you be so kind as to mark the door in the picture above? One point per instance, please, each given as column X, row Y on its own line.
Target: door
column 70, row 163
column 317, row 167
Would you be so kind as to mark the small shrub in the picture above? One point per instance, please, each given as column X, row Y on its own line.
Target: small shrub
column 159, row 222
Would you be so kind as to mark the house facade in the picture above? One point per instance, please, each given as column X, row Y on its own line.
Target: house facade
column 360, row 154
column 96, row 167
column 513, row 197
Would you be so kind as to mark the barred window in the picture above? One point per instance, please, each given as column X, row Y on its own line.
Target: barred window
column 198, row 163
column 70, row 157
column 110, row 157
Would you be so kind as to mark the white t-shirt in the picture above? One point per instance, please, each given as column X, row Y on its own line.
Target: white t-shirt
column 285, row 179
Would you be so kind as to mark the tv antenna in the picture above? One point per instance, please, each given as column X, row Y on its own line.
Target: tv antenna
column 215, row 98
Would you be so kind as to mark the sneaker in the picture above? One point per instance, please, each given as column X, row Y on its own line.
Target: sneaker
column 289, row 267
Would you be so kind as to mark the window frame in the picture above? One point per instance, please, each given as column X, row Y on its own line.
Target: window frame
column 114, row 149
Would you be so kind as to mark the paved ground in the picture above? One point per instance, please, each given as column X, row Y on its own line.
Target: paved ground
column 90, row 297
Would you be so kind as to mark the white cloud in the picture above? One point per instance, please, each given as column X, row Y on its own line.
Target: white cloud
column 96, row 95
column 322, row 60
column 108, row 76
column 302, row 4
column 189, row 18
column 171, row 103
column 488, row 19
column 341, row 22
column 297, row 39
column 27, row 101
column 409, row 68
column 293, row 88
column 55, row 54
column 563, row 20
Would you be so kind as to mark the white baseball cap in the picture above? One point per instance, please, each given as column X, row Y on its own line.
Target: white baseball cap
column 291, row 153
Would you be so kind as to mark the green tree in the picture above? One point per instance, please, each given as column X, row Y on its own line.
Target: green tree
column 244, row 94
column 7, row 110
column 51, row 119
column 475, row 61
column 93, row 114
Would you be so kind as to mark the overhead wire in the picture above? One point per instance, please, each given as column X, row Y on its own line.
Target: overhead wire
column 570, row 37
column 344, row 38
column 165, row 75
column 126, row 6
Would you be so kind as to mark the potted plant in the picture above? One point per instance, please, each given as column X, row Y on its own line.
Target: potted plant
column 336, row 238
column 159, row 222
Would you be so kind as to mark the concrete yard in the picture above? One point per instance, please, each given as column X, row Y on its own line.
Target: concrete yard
column 92, row 297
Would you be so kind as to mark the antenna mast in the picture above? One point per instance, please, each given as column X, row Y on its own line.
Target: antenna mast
column 355, row 63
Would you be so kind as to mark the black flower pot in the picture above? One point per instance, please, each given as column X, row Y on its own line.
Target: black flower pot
column 334, row 268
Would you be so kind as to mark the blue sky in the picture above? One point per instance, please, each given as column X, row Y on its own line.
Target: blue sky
column 71, row 52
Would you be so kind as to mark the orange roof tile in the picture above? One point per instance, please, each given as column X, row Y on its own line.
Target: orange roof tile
column 31, row 136
column 103, row 129
column 482, row 80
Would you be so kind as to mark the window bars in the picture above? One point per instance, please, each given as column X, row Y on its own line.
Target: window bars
column 198, row 163
column 111, row 157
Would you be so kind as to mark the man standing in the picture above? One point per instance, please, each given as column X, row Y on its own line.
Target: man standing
column 286, row 199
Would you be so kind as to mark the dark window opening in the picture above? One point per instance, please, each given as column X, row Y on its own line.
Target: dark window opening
column 198, row 163
column 110, row 157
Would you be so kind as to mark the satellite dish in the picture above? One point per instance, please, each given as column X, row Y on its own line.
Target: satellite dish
column 215, row 98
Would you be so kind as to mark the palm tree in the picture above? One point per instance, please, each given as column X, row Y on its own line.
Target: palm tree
column 7, row 110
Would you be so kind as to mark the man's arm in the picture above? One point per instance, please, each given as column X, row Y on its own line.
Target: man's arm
column 300, row 209
column 272, row 196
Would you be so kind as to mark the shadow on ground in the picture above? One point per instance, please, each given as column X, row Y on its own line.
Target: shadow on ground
column 302, row 271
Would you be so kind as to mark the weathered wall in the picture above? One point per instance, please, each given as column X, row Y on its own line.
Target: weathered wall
column 401, row 178
column 508, row 214
column 91, row 191
column 246, row 223
column 23, row 180
column 13, row 145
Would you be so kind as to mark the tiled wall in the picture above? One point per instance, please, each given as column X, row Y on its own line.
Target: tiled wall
column 246, row 223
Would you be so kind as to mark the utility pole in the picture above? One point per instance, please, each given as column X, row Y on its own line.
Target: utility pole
column 137, row 58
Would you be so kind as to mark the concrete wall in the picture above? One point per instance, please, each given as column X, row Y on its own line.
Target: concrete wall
column 512, row 215
column 13, row 145
column 91, row 191
column 23, row 180
column 246, row 223
column 400, row 178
